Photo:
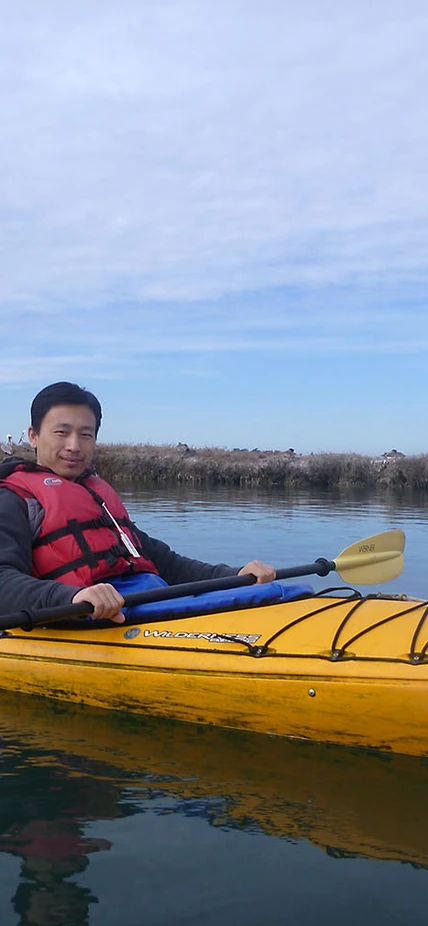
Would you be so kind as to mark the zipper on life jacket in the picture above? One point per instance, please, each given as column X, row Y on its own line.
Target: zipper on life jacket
column 124, row 537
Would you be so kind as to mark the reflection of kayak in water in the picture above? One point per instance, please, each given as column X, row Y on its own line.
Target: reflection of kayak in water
column 350, row 671
column 348, row 802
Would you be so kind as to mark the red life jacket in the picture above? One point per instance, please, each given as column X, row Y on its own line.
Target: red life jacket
column 78, row 542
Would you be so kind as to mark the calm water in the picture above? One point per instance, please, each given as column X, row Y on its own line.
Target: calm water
column 285, row 529
column 110, row 820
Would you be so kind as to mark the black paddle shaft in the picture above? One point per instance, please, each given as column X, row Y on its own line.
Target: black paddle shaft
column 28, row 619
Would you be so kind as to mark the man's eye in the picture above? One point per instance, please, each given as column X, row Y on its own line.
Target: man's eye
column 60, row 432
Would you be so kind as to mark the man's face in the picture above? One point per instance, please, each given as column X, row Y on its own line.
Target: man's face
column 66, row 440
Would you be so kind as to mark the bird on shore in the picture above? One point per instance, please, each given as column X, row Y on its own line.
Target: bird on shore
column 8, row 446
column 23, row 442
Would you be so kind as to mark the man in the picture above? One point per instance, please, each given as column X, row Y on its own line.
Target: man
column 64, row 533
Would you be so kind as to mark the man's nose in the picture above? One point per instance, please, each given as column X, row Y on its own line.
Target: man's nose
column 72, row 442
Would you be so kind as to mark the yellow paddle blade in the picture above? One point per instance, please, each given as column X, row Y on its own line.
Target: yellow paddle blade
column 375, row 559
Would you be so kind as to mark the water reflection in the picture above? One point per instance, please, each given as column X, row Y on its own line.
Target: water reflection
column 184, row 497
column 47, row 800
column 44, row 897
column 68, row 775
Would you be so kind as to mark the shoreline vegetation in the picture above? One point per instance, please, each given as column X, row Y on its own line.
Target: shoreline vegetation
column 169, row 464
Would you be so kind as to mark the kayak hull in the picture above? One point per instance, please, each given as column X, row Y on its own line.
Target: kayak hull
column 332, row 670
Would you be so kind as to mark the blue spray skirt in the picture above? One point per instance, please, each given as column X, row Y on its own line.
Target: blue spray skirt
column 247, row 596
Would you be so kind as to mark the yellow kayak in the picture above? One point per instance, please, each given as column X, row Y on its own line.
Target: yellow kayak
column 343, row 670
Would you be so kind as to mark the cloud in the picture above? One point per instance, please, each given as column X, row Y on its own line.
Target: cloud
column 206, row 177
column 51, row 368
column 183, row 152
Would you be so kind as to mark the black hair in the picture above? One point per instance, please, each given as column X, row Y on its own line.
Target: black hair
column 63, row 394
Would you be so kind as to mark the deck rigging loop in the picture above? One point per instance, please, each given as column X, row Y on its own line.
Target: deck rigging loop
column 418, row 657
column 335, row 603
column 324, row 592
column 253, row 650
column 386, row 620
column 339, row 652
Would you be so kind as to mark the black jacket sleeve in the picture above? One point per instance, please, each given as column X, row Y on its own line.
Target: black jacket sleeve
column 175, row 569
column 18, row 588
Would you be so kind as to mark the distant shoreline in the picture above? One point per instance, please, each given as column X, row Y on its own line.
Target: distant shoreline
column 168, row 464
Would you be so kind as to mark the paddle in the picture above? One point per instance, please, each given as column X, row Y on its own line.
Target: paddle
column 373, row 560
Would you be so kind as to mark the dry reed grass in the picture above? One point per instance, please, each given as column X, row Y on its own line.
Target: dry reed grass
column 214, row 466
column 147, row 463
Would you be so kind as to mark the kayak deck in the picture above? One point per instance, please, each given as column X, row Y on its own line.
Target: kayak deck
column 345, row 670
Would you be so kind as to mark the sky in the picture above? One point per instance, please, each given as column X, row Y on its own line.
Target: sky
column 213, row 214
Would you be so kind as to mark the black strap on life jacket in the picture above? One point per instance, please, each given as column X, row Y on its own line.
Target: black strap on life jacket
column 89, row 557
column 111, row 557
column 65, row 531
column 93, row 524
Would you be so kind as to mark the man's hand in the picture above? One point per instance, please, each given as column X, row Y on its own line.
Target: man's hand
column 263, row 572
column 106, row 601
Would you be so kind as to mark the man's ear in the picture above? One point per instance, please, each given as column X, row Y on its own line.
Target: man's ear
column 32, row 437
